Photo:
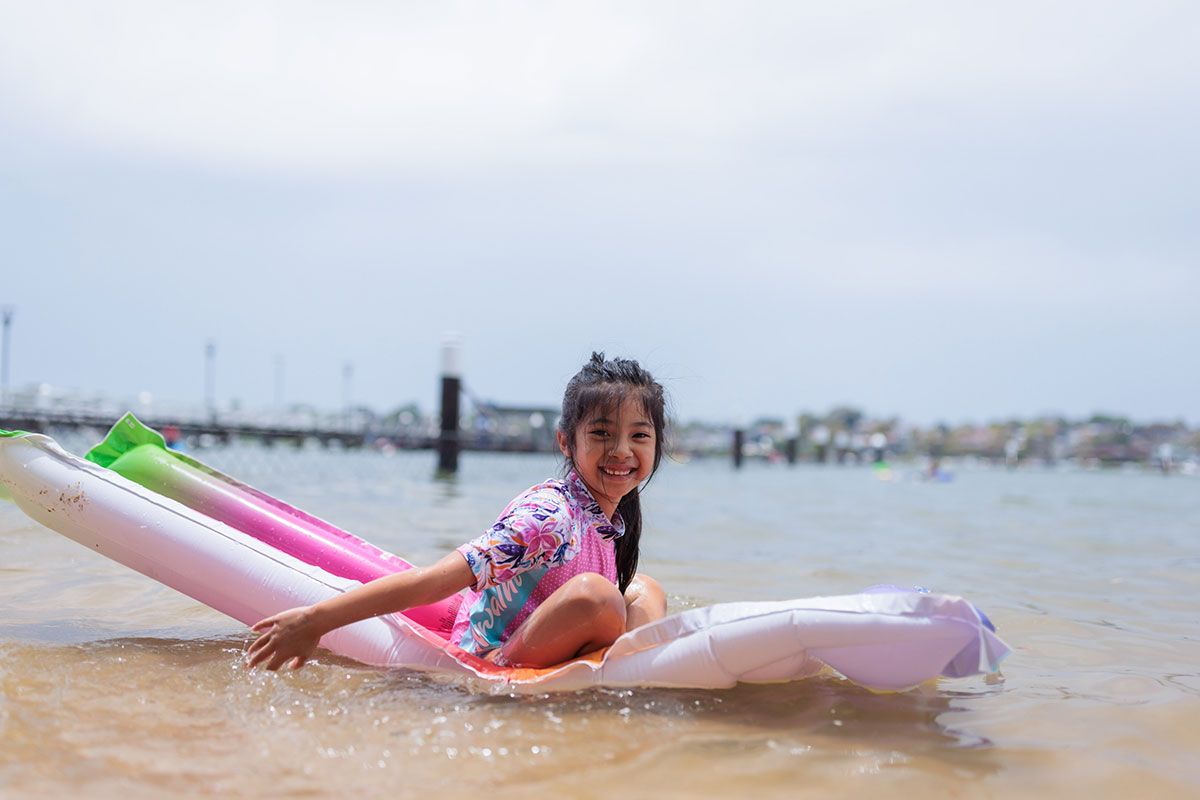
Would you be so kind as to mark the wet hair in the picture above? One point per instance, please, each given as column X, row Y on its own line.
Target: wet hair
column 604, row 384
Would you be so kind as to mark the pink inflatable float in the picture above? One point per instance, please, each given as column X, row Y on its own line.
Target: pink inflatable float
column 249, row 555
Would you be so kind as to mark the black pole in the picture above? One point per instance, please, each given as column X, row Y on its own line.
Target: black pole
column 738, row 437
column 448, row 443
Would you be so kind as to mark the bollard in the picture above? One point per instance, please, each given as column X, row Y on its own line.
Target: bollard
column 738, row 437
column 451, row 386
column 791, row 443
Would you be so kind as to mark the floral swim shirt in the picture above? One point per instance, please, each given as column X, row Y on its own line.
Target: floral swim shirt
column 546, row 536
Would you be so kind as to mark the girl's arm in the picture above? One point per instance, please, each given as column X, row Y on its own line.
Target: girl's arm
column 291, row 636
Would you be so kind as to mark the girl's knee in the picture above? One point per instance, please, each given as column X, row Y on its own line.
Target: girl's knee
column 644, row 586
column 645, row 601
column 592, row 591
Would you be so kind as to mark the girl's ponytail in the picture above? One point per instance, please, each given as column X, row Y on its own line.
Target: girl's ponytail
column 630, row 509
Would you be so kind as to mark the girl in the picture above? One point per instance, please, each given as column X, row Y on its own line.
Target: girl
column 556, row 576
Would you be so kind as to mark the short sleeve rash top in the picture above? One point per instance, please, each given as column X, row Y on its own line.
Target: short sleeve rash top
column 544, row 537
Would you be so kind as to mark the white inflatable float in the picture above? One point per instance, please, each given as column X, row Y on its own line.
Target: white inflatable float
column 249, row 555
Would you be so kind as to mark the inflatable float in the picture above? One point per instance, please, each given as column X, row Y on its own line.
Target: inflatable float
column 249, row 555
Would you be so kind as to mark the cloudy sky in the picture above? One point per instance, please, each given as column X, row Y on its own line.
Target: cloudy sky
column 939, row 210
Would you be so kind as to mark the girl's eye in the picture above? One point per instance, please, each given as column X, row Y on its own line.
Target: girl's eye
column 599, row 432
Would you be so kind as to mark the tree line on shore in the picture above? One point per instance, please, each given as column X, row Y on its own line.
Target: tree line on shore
column 847, row 432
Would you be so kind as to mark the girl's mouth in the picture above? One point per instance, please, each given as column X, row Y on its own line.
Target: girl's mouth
column 617, row 472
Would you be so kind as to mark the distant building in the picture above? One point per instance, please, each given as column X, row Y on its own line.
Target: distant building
column 520, row 427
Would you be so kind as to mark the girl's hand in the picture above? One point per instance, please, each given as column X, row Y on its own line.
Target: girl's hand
column 290, row 637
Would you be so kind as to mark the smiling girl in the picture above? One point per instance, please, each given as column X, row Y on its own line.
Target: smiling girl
column 556, row 575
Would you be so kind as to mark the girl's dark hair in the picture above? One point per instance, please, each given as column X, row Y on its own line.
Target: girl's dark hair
column 605, row 384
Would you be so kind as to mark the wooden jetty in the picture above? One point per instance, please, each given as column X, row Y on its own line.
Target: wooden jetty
column 220, row 430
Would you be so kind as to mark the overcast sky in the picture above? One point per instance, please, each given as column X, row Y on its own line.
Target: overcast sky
column 938, row 210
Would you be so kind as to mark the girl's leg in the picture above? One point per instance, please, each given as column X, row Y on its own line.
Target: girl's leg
column 584, row 614
column 645, row 602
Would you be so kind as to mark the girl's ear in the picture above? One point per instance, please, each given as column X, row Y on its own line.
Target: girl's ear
column 562, row 444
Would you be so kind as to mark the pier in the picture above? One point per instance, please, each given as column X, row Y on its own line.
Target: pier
column 357, row 432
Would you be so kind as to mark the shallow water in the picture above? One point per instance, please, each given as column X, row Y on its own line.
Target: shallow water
column 115, row 686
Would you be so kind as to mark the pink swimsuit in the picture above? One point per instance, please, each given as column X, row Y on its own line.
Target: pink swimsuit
column 546, row 536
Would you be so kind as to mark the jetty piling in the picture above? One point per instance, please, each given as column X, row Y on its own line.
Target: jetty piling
column 448, row 443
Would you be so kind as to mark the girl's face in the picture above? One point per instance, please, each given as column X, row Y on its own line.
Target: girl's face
column 613, row 452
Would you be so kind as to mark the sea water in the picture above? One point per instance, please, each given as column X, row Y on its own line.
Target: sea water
column 114, row 686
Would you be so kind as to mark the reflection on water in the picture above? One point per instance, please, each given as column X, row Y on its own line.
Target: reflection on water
column 115, row 686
